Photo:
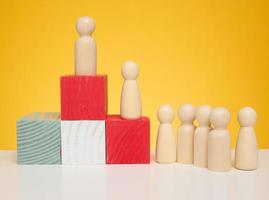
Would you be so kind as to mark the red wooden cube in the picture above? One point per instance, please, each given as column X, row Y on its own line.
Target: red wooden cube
column 83, row 97
column 127, row 141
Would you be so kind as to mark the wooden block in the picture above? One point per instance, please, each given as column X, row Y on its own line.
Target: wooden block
column 38, row 139
column 127, row 141
column 84, row 97
column 83, row 142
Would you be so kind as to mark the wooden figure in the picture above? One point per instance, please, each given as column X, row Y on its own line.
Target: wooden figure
column 39, row 139
column 219, row 141
column 130, row 107
column 85, row 47
column 127, row 141
column 246, row 152
column 84, row 97
column 202, row 115
column 83, row 142
column 186, row 114
column 166, row 145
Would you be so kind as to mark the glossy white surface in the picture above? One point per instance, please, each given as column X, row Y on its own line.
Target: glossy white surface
column 127, row 182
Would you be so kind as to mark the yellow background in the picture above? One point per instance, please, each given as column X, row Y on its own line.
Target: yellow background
column 202, row 52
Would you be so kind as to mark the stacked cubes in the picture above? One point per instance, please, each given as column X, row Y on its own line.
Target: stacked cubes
column 84, row 133
column 89, row 135
column 83, row 115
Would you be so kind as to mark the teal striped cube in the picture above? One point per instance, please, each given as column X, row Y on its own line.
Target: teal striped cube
column 39, row 139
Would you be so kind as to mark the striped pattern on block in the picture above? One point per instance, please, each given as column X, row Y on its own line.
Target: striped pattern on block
column 83, row 142
column 84, row 97
column 38, row 139
column 127, row 141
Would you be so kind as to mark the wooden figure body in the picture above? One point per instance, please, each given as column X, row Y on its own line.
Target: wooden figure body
column 130, row 107
column 246, row 152
column 219, row 141
column 166, row 146
column 85, row 47
column 186, row 114
column 201, row 136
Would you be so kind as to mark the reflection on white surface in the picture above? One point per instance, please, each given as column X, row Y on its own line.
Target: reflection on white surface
column 45, row 180
column 124, row 182
column 8, row 180
column 83, row 182
column 116, row 182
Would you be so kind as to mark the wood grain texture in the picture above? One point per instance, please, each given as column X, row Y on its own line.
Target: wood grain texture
column 84, row 97
column 127, row 141
column 38, row 139
column 83, row 142
column 85, row 47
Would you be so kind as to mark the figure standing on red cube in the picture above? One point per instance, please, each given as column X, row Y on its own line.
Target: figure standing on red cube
column 128, row 135
column 84, row 103
column 88, row 134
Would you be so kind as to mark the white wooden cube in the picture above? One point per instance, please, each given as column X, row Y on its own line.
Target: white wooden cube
column 83, row 142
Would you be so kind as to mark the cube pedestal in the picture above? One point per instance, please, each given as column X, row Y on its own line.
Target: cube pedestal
column 83, row 142
column 127, row 141
column 84, row 97
column 38, row 139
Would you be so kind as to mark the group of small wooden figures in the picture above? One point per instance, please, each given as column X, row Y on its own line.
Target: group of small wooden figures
column 209, row 144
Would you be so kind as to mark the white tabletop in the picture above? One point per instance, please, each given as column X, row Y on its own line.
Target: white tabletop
column 154, row 181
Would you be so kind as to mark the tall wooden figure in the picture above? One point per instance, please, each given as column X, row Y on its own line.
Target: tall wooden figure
column 246, row 152
column 202, row 115
column 130, row 107
column 219, row 141
column 85, row 47
column 186, row 114
column 166, row 145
